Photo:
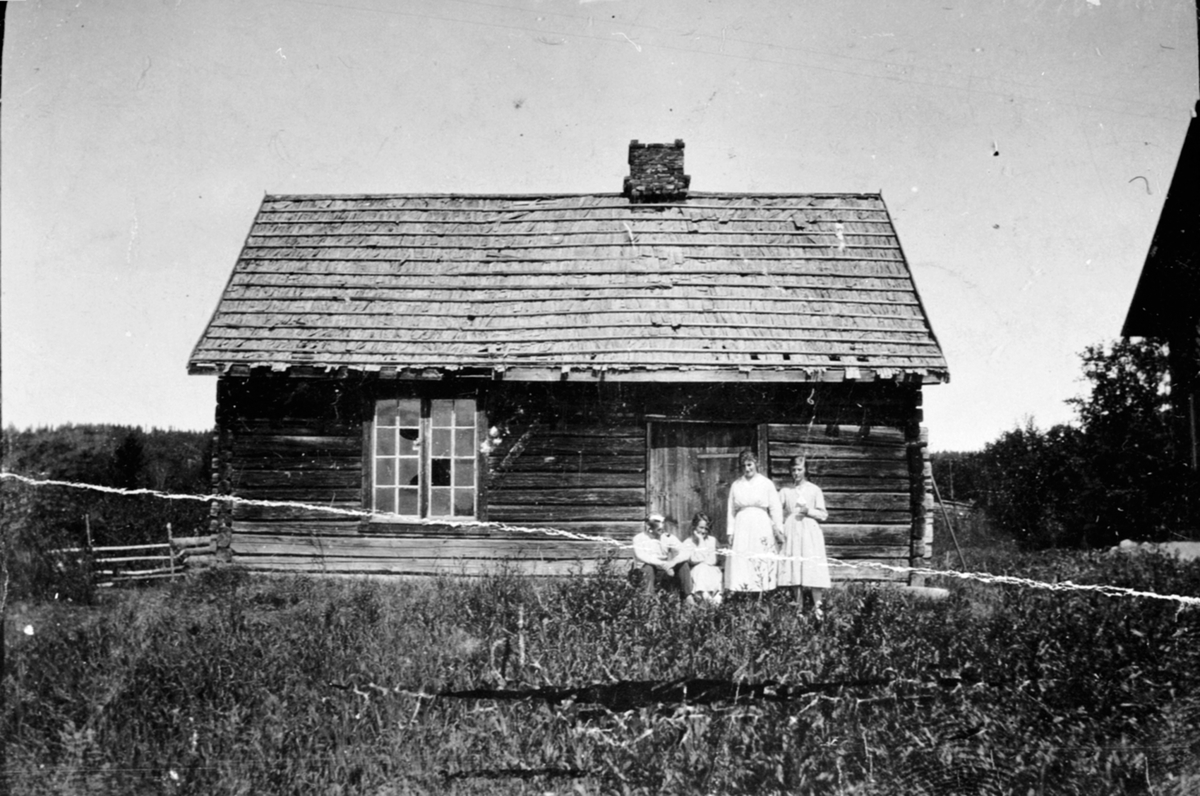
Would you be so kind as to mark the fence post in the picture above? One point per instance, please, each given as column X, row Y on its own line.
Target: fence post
column 521, row 643
column 170, row 551
column 89, row 563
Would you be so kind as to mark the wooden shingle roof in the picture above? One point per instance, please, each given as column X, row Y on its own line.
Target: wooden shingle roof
column 714, row 286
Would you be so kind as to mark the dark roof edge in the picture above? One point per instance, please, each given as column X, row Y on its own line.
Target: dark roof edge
column 1141, row 319
column 581, row 373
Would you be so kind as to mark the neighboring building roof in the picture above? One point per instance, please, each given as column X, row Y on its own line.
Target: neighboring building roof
column 1167, row 297
column 704, row 287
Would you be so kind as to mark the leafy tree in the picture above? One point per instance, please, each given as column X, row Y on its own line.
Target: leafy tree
column 1138, row 486
column 959, row 474
column 1031, row 480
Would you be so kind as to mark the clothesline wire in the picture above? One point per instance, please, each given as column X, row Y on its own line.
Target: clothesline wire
column 616, row 544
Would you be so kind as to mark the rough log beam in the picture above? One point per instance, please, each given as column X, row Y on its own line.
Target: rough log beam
column 918, row 458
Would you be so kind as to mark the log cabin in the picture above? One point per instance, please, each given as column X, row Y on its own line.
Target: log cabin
column 421, row 384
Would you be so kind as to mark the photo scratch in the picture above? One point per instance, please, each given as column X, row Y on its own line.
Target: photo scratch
column 636, row 46
column 145, row 68
column 133, row 233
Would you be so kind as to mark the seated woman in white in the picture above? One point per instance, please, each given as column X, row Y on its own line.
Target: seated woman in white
column 702, row 553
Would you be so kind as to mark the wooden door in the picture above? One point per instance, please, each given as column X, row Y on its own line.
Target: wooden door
column 690, row 469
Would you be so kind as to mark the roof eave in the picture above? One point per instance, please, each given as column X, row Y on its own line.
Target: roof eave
column 935, row 375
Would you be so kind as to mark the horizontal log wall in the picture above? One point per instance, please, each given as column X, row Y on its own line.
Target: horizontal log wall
column 567, row 457
column 293, row 441
column 414, row 554
column 588, row 479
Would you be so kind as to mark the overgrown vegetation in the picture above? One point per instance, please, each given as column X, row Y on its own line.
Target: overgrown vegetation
column 36, row 520
column 1114, row 475
column 235, row 684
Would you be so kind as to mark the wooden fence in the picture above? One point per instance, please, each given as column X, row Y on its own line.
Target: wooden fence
column 118, row 564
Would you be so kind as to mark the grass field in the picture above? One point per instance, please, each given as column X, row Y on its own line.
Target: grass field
column 234, row 684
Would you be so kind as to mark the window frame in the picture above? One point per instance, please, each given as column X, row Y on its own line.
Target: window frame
column 424, row 458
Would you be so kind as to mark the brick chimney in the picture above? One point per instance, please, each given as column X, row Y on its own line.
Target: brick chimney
column 656, row 172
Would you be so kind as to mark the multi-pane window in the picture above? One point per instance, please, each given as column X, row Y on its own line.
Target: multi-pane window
column 424, row 457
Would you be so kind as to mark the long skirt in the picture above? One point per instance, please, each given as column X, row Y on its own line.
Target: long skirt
column 804, row 551
column 750, row 565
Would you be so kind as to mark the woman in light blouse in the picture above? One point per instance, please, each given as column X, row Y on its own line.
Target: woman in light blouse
column 804, row 565
column 755, row 521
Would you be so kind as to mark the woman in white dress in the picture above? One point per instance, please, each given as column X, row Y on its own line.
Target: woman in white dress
column 702, row 548
column 804, row 565
column 755, row 522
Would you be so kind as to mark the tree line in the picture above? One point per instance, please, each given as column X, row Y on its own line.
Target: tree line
column 37, row 519
column 1111, row 475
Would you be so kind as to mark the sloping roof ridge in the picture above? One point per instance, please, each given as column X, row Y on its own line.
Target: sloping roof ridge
column 311, row 196
column 781, row 195
column 580, row 195
column 916, row 293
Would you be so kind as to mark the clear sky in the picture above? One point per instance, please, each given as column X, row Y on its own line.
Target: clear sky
column 1024, row 149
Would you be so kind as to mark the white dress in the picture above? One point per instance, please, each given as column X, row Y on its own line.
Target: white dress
column 753, row 508
column 803, row 544
column 706, row 575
